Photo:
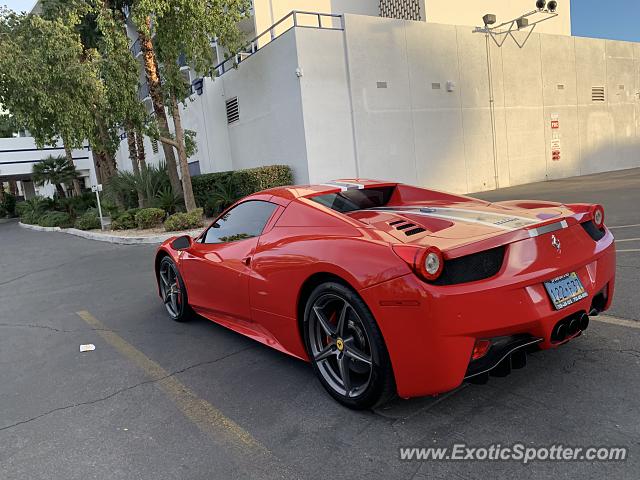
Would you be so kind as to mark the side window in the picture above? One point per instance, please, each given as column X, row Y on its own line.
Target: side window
column 244, row 221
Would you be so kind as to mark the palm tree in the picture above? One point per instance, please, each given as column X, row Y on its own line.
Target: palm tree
column 55, row 170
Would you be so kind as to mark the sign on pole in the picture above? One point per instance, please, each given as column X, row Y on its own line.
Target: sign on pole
column 97, row 189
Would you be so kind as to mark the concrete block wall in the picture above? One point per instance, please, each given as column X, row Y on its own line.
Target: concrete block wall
column 409, row 101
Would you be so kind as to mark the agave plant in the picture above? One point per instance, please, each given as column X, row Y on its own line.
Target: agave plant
column 167, row 200
column 151, row 181
column 222, row 196
column 55, row 170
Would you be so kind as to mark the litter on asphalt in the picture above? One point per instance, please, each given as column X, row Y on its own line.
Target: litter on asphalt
column 87, row 347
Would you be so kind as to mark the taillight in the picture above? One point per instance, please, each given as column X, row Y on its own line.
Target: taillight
column 431, row 263
column 426, row 263
column 597, row 214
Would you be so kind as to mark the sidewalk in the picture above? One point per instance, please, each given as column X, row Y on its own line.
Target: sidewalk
column 124, row 238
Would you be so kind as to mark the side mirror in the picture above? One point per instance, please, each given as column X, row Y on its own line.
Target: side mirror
column 182, row 243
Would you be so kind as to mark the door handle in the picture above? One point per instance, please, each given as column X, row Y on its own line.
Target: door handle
column 246, row 261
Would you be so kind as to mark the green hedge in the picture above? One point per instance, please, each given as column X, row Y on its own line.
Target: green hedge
column 55, row 219
column 30, row 218
column 184, row 221
column 242, row 182
column 8, row 206
column 125, row 220
column 149, row 217
column 88, row 221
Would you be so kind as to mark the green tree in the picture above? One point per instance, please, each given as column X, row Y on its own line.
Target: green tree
column 8, row 126
column 186, row 27
column 55, row 170
column 101, row 27
column 45, row 83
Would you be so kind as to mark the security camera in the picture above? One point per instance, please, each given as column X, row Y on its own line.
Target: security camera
column 552, row 5
column 489, row 19
column 540, row 4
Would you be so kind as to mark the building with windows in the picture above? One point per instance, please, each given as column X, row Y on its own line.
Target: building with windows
column 409, row 90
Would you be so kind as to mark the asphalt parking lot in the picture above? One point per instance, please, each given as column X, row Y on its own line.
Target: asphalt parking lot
column 163, row 400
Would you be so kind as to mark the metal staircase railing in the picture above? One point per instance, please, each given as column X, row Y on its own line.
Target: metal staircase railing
column 296, row 18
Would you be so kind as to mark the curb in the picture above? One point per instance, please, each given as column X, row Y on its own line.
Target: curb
column 101, row 237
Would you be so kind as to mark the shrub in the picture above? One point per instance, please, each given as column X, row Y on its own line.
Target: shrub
column 55, row 219
column 167, row 200
column 222, row 196
column 30, row 218
column 125, row 220
column 242, row 182
column 184, row 221
column 8, row 206
column 88, row 221
column 75, row 206
column 149, row 217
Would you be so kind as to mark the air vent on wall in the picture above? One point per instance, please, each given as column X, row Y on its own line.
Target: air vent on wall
column 381, row 84
column 597, row 94
column 233, row 112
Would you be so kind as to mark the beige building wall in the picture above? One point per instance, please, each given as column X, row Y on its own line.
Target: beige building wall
column 470, row 12
column 451, row 12
column 268, row 12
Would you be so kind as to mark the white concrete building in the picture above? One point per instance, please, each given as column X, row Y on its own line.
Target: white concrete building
column 355, row 94
column 19, row 154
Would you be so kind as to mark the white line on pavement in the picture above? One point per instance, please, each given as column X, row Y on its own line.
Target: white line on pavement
column 629, row 250
column 616, row 321
column 624, row 226
column 628, row 240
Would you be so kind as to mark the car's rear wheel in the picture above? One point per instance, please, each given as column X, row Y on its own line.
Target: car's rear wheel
column 346, row 348
column 172, row 291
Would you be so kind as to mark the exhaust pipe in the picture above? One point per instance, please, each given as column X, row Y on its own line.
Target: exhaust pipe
column 518, row 359
column 561, row 332
column 574, row 326
column 584, row 321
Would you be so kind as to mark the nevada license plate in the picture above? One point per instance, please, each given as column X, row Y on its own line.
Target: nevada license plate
column 565, row 290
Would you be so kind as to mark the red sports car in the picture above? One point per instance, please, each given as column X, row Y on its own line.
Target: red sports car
column 388, row 288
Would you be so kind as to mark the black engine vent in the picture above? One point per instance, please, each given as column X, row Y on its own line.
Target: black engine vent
column 477, row 266
column 414, row 231
column 593, row 231
column 408, row 227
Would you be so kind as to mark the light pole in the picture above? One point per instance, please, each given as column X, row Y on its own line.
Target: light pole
column 499, row 34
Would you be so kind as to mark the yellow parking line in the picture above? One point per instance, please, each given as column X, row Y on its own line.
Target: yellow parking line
column 207, row 417
column 616, row 321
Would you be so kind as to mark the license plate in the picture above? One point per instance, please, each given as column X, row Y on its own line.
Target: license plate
column 565, row 290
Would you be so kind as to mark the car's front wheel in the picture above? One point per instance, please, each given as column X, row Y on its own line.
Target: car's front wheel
column 172, row 291
column 346, row 348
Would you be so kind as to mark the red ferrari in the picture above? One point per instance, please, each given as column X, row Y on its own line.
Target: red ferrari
column 387, row 288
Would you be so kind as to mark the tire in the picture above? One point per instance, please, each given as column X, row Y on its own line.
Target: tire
column 173, row 291
column 342, row 337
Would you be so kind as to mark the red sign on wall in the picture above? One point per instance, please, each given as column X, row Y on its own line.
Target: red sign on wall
column 555, row 124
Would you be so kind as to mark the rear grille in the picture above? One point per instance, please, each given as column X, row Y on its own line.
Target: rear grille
column 593, row 231
column 408, row 227
column 477, row 266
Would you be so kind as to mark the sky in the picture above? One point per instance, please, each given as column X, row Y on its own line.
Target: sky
column 616, row 19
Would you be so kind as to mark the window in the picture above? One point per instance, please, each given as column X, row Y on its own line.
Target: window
column 356, row 199
column 247, row 220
